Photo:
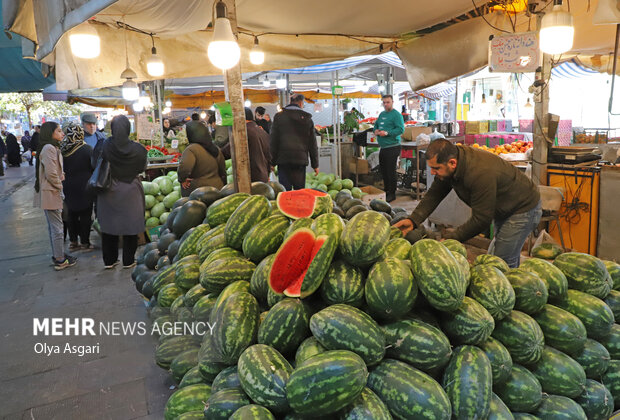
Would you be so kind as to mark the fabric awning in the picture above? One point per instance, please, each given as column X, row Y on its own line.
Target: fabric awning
column 571, row 70
column 389, row 58
column 441, row 90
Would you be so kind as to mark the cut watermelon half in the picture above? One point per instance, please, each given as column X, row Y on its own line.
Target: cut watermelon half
column 301, row 263
column 299, row 203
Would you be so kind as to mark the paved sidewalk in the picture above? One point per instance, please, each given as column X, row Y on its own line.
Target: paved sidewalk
column 121, row 381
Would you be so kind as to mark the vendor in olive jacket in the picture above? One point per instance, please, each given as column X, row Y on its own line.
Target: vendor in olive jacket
column 292, row 140
column 495, row 190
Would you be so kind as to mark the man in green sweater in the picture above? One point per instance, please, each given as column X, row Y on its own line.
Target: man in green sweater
column 388, row 128
column 493, row 188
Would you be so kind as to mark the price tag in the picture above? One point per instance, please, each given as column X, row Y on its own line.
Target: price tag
column 174, row 144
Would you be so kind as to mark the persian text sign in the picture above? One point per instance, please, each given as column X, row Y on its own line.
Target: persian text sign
column 514, row 53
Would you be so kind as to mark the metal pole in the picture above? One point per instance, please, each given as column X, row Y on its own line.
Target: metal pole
column 541, row 122
column 456, row 100
column 161, row 115
column 339, row 136
column 613, row 73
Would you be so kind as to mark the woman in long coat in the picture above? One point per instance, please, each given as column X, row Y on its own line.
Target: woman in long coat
column 120, row 209
column 14, row 157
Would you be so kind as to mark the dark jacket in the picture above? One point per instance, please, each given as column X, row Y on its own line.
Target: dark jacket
column 204, row 169
column 292, row 138
column 266, row 125
column 2, row 148
column 78, row 169
column 492, row 187
column 13, row 155
column 258, row 149
column 34, row 142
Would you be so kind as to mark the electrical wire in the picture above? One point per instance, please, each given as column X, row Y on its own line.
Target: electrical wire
column 485, row 19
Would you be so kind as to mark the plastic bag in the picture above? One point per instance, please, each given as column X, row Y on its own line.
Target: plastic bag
column 423, row 139
column 544, row 238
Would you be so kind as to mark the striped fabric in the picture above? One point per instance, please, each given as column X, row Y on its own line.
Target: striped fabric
column 389, row 58
column 571, row 69
column 440, row 90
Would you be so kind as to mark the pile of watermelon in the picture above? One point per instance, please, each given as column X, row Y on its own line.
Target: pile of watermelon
column 159, row 198
column 331, row 184
column 314, row 316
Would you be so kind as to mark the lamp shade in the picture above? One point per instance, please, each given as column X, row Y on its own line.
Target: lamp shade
column 130, row 90
column 557, row 31
column 223, row 50
column 155, row 65
column 84, row 41
column 257, row 56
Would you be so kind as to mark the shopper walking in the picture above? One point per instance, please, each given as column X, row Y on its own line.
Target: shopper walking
column 92, row 136
column 120, row 209
column 258, row 149
column 292, row 140
column 48, row 190
column 388, row 129
column 25, row 141
column 34, row 140
column 202, row 163
column 13, row 154
column 78, row 169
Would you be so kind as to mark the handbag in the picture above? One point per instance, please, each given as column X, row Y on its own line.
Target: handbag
column 101, row 179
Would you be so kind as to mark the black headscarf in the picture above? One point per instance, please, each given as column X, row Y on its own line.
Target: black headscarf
column 199, row 133
column 127, row 158
column 45, row 138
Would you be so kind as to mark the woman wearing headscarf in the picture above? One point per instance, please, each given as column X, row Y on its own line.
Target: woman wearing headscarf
column 120, row 209
column 78, row 169
column 48, row 190
column 202, row 163
column 14, row 157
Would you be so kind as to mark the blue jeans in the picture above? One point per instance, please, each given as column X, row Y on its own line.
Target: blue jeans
column 511, row 233
column 55, row 230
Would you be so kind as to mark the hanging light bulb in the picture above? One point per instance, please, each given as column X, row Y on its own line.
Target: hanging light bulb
column 168, row 103
column 130, row 90
column 211, row 109
column 247, row 103
column 154, row 65
column 381, row 88
column 137, row 107
column 203, row 115
column 144, row 100
column 326, row 104
column 484, row 98
column 223, row 50
column 528, row 104
column 166, row 111
column 281, row 83
column 257, row 56
column 266, row 82
column 556, row 30
column 365, row 86
column 84, row 41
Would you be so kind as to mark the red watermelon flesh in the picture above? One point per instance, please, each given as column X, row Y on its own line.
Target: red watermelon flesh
column 298, row 203
column 292, row 261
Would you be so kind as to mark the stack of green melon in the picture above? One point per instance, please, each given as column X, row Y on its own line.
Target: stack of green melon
column 331, row 184
column 159, row 197
column 394, row 330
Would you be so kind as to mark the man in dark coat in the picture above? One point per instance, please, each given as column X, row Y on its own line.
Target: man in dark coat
column 34, row 140
column 262, row 119
column 26, row 145
column 292, row 140
column 258, row 149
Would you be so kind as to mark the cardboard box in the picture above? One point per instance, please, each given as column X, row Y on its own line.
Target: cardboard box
column 373, row 193
column 359, row 166
column 412, row 132
column 476, row 127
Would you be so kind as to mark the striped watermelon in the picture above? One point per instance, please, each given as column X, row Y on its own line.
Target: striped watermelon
column 191, row 377
column 395, row 233
column 326, row 383
column 612, row 342
column 522, row 336
column 231, row 289
column 220, row 211
column 594, row 358
column 220, row 273
column 493, row 260
column 390, row 290
column 328, row 224
column 557, row 407
column 202, row 309
column 554, row 278
column 397, row 248
column 498, row 410
column 304, row 222
column 254, row 209
column 308, row 348
column 220, row 253
column 521, row 391
column 273, row 298
column 228, row 378
column 501, row 362
column 455, row 247
column 187, row 274
column 252, row 412
column 596, row 401
column 264, row 373
column 611, row 380
column 417, row 343
column 162, row 278
column 214, row 243
column 189, row 398
column 168, row 294
column 408, row 392
column 531, row 292
column 184, row 361
column 221, row 405
column 210, row 362
column 613, row 301
column 548, row 251
column 265, row 238
column 562, row 330
column 490, row 288
column 586, row 273
column 208, row 235
column 559, row 374
column 470, row 324
column 301, row 263
column 343, row 327
column 236, row 325
column 193, row 295
column 343, row 283
column 524, row 416
column 613, row 268
column 285, row 326
column 364, row 238
column 468, row 381
column 304, row 203
column 259, row 283
column 190, row 245
column 192, row 415
column 464, row 264
column 167, row 350
column 367, row 406
column 593, row 312
column 438, row 274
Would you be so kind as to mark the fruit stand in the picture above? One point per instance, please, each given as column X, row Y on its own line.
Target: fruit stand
column 312, row 313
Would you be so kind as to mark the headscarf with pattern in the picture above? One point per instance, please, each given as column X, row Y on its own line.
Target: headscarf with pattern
column 74, row 138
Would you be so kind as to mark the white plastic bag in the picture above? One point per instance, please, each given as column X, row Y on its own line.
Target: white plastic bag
column 544, row 238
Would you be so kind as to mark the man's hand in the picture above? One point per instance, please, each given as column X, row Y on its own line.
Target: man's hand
column 186, row 184
column 316, row 171
column 405, row 226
